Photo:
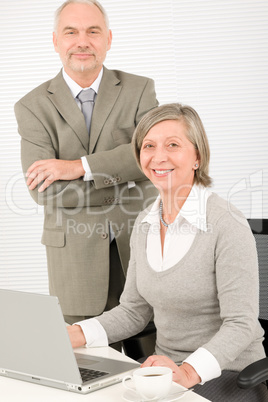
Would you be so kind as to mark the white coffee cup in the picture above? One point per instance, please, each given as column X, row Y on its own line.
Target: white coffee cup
column 150, row 382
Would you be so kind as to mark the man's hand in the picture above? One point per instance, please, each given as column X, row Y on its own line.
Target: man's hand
column 50, row 170
column 76, row 336
column 184, row 375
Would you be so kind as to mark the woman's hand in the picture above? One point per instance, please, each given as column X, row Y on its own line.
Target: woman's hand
column 76, row 335
column 184, row 375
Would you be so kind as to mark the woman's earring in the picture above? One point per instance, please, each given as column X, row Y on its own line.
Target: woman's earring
column 196, row 165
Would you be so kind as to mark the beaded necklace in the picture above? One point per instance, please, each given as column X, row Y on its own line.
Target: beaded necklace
column 161, row 214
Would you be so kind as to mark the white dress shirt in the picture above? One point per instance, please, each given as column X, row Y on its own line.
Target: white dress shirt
column 182, row 231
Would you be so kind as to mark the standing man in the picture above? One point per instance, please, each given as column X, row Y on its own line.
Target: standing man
column 79, row 163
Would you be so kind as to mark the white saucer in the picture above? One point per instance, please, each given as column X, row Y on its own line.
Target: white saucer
column 132, row 396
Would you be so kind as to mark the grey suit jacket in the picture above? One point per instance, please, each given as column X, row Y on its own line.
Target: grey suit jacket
column 78, row 213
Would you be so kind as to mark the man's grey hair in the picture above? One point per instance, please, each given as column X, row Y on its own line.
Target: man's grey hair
column 89, row 2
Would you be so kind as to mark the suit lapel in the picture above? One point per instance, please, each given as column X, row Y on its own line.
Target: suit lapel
column 107, row 95
column 60, row 95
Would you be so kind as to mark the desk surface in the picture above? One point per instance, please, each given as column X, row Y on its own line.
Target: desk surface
column 21, row 391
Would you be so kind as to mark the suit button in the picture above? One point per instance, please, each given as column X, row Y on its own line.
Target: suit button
column 104, row 236
column 118, row 179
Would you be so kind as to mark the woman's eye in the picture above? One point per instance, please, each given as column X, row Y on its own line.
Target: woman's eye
column 173, row 145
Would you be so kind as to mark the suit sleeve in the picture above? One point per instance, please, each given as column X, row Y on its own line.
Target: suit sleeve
column 107, row 161
column 37, row 144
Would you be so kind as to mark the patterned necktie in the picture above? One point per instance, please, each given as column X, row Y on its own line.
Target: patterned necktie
column 86, row 98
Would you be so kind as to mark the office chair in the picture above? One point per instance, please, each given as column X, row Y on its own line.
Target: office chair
column 257, row 372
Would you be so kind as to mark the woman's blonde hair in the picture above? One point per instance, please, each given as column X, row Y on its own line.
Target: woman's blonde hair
column 195, row 133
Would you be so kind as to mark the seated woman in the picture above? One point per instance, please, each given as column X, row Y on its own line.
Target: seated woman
column 193, row 266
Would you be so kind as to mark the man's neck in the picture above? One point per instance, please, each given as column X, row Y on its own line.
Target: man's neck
column 84, row 79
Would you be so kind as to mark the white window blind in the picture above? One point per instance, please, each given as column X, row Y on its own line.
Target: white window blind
column 210, row 54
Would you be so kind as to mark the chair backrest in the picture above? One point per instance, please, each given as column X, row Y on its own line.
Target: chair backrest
column 259, row 228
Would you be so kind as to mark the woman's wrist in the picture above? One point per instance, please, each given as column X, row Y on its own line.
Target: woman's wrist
column 186, row 375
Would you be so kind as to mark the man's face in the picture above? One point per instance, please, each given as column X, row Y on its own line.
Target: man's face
column 82, row 39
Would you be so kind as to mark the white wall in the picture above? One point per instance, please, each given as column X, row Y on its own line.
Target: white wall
column 210, row 54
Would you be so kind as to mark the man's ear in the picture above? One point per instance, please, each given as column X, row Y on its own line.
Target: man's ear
column 109, row 40
column 55, row 42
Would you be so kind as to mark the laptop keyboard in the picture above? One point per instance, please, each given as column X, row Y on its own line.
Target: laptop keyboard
column 89, row 374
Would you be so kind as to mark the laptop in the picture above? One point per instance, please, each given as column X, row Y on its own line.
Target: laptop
column 35, row 347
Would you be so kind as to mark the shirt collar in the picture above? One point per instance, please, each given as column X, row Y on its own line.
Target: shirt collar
column 75, row 88
column 194, row 209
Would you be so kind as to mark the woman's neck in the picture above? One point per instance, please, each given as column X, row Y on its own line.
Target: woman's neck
column 172, row 203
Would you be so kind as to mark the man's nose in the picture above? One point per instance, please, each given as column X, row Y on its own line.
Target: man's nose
column 83, row 40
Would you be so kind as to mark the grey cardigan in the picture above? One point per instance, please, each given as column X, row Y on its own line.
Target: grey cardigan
column 208, row 299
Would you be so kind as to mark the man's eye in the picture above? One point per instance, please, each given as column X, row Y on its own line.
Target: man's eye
column 94, row 32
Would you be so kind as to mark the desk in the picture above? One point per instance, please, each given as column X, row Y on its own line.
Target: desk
column 21, row 391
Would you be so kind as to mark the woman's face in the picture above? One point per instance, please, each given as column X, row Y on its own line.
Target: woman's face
column 168, row 158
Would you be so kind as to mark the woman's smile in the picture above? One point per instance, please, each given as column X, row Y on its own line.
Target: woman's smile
column 162, row 172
